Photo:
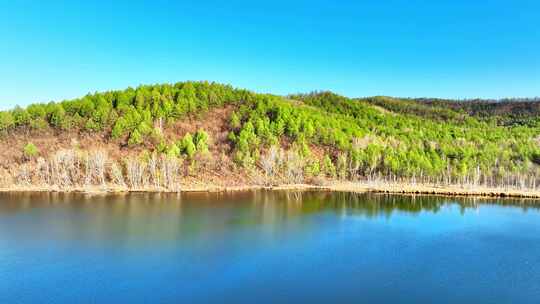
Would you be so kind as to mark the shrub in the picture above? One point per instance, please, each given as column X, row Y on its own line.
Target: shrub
column 187, row 146
column 135, row 138
column 57, row 116
column 20, row 116
column 30, row 151
column 342, row 166
column 235, row 121
column 313, row 168
column 328, row 167
column 119, row 128
column 38, row 124
column 91, row 125
column 172, row 151
column 201, row 141
column 6, row 121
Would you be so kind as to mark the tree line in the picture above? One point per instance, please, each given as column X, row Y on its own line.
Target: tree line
column 302, row 136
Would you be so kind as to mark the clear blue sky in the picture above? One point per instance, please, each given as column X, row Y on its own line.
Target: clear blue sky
column 51, row 50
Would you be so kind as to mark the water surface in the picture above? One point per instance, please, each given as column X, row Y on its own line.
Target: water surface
column 267, row 247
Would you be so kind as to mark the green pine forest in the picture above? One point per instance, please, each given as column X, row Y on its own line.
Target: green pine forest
column 300, row 137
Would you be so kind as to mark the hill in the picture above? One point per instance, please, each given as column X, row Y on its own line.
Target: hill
column 170, row 136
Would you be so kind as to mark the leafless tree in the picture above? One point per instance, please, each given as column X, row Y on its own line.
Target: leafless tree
column 43, row 171
column 268, row 163
column 170, row 168
column 153, row 169
column 23, row 175
column 294, row 167
column 96, row 168
column 64, row 168
column 135, row 170
column 117, row 177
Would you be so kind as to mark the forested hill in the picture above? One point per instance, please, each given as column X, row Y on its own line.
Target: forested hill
column 171, row 134
column 504, row 111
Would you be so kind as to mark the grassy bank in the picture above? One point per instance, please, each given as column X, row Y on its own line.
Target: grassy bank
column 356, row 187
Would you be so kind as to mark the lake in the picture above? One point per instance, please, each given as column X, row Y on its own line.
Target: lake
column 267, row 247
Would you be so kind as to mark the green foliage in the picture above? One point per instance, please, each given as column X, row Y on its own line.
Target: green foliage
column 145, row 155
column 135, row 138
column 6, row 121
column 30, row 151
column 366, row 137
column 231, row 136
column 313, row 168
column 92, row 125
column 157, row 135
column 303, row 149
column 20, row 116
column 124, row 111
column 372, row 139
column 38, row 124
column 201, row 139
column 341, row 167
column 173, row 151
column 235, row 121
column 37, row 111
column 187, row 146
column 57, row 116
column 244, row 159
column 328, row 167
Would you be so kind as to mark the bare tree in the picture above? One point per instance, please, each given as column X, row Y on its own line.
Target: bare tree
column 43, row 171
column 64, row 168
column 268, row 163
column 153, row 169
column 170, row 168
column 294, row 167
column 95, row 168
column 23, row 175
column 135, row 170
column 117, row 177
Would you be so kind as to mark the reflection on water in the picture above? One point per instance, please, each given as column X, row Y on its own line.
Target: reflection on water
column 205, row 215
column 266, row 204
column 267, row 246
column 138, row 219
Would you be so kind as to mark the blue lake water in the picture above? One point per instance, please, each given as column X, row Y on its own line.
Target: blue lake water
column 267, row 247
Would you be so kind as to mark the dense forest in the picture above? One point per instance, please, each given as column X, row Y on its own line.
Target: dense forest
column 164, row 136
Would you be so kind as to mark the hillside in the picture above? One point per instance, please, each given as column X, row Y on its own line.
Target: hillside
column 173, row 136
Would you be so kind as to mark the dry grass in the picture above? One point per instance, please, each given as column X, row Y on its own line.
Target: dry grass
column 447, row 190
column 188, row 186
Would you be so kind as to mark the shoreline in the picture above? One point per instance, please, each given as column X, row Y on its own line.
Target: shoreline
column 353, row 187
